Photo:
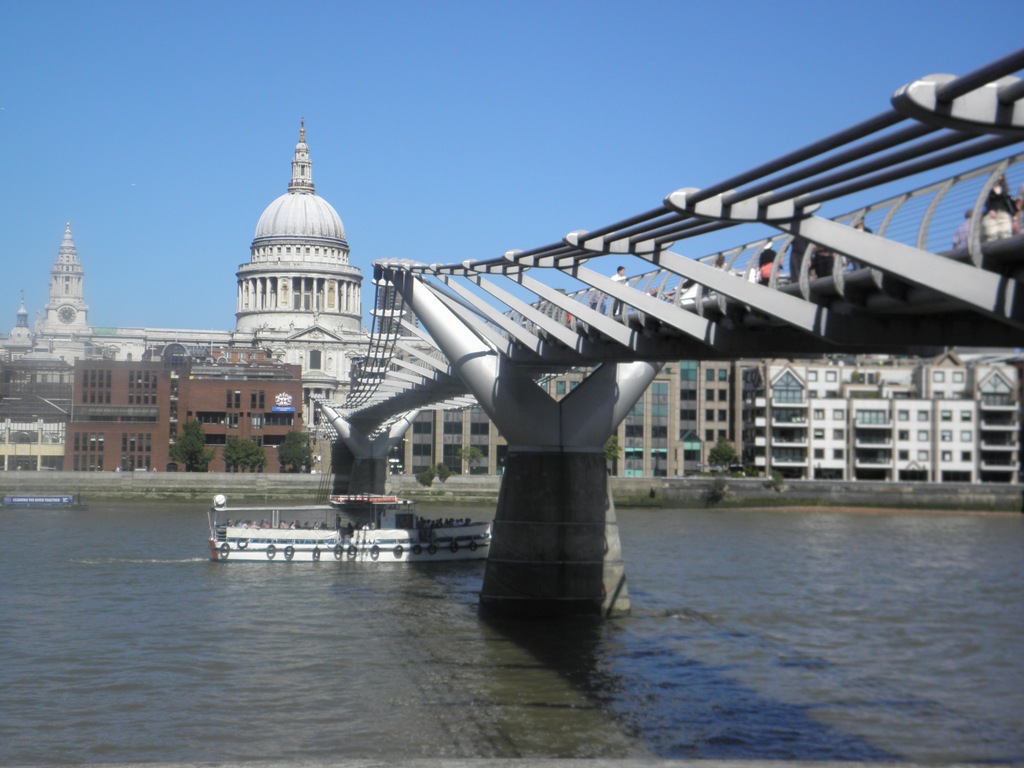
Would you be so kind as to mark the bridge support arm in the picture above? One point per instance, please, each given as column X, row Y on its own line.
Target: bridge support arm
column 370, row 470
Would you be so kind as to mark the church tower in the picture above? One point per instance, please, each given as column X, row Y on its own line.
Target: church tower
column 19, row 342
column 66, row 311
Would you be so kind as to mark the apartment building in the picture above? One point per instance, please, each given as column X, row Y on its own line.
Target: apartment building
column 941, row 420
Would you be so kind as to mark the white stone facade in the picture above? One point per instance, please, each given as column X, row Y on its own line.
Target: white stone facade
column 298, row 300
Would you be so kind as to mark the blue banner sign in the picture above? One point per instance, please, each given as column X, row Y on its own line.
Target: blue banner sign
column 41, row 501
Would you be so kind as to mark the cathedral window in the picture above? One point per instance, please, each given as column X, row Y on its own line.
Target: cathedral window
column 314, row 360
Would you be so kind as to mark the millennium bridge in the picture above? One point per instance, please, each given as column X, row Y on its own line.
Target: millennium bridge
column 937, row 266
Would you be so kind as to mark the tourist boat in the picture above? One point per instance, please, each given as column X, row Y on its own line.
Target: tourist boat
column 377, row 529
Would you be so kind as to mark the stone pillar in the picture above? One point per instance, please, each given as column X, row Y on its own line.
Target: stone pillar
column 369, row 475
column 555, row 549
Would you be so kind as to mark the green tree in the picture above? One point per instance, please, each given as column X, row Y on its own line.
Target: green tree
column 244, row 455
column 443, row 472
column 295, row 452
column 471, row 455
column 612, row 449
column 190, row 448
column 722, row 454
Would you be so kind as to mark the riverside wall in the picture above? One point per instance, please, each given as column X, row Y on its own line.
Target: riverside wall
column 483, row 490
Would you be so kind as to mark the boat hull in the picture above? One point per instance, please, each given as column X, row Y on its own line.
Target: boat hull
column 386, row 546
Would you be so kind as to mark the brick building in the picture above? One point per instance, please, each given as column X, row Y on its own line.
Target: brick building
column 126, row 415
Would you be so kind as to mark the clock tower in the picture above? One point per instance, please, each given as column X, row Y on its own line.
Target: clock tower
column 66, row 311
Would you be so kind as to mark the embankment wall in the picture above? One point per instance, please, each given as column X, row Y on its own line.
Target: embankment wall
column 483, row 490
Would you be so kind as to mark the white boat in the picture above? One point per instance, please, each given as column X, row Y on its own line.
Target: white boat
column 392, row 532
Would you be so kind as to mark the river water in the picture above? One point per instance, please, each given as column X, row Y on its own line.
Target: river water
column 754, row 635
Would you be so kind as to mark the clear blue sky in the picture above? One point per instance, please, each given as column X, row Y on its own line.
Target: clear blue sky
column 440, row 131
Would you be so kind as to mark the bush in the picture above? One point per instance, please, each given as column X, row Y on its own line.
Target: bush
column 426, row 477
column 776, row 482
column 443, row 473
column 716, row 492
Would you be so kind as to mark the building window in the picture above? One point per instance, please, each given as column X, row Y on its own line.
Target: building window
column 922, row 415
column 966, row 437
column 830, row 375
column 838, row 414
column 922, row 455
column 872, row 417
column 922, row 436
column 812, row 375
column 903, row 415
column 946, row 415
column 946, row 436
column 314, row 360
column 788, row 389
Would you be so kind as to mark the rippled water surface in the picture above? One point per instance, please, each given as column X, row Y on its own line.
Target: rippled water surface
column 753, row 635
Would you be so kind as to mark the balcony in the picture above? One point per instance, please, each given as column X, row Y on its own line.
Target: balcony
column 785, row 404
column 997, row 407
column 872, row 441
column 873, row 462
column 991, row 464
column 789, row 441
column 998, row 424
column 998, row 445
column 788, row 462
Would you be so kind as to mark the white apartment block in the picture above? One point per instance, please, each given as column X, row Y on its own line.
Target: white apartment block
column 880, row 418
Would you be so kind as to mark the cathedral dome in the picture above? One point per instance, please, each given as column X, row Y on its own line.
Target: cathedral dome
column 300, row 214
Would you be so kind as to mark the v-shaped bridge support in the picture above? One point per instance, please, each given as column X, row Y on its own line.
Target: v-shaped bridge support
column 370, row 470
column 556, row 547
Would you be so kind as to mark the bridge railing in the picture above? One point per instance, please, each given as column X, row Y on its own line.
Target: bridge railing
column 936, row 122
column 926, row 217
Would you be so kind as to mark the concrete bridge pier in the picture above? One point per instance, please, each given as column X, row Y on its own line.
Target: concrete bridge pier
column 555, row 549
column 370, row 450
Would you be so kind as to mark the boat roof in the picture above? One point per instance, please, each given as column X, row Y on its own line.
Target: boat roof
column 364, row 498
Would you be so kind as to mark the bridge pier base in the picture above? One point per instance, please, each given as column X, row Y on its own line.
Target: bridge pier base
column 369, row 475
column 555, row 549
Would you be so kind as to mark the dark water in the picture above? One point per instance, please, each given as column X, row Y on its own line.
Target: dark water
column 754, row 635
